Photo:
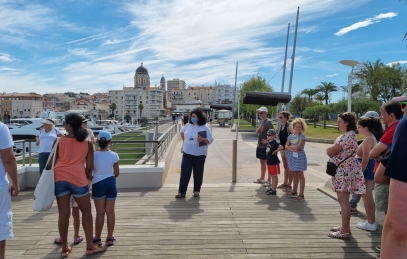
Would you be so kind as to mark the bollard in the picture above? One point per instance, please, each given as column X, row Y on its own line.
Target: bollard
column 234, row 162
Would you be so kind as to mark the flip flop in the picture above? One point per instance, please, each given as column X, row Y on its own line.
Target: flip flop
column 58, row 241
column 97, row 241
column 110, row 241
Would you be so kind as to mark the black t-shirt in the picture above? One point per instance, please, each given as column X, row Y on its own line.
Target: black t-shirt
column 185, row 120
column 272, row 159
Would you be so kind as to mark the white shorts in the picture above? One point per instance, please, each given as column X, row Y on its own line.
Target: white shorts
column 6, row 215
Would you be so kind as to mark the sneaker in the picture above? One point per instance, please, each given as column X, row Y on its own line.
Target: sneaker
column 258, row 181
column 266, row 184
column 366, row 226
column 378, row 248
column 271, row 192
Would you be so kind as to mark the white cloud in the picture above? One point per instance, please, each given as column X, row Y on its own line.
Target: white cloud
column 331, row 75
column 111, row 42
column 396, row 62
column 5, row 57
column 365, row 23
column 10, row 69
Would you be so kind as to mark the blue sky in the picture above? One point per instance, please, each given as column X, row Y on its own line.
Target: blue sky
column 95, row 46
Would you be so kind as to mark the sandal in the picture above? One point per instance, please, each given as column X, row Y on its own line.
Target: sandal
column 94, row 250
column 300, row 198
column 77, row 240
column 97, row 241
column 291, row 194
column 65, row 253
column 282, row 186
column 58, row 241
column 339, row 235
column 110, row 241
column 196, row 194
column 179, row 195
column 287, row 188
column 335, row 229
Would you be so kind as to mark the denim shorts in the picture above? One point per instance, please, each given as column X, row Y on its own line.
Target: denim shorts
column 105, row 189
column 63, row 188
column 261, row 153
column 368, row 173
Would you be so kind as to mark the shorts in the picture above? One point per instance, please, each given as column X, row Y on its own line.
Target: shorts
column 369, row 173
column 273, row 170
column 6, row 215
column 261, row 153
column 283, row 152
column 381, row 196
column 63, row 188
column 105, row 189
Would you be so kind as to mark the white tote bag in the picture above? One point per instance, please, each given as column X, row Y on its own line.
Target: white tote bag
column 44, row 193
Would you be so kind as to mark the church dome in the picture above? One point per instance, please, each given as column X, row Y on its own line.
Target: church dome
column 141, row 69
column 162, row 79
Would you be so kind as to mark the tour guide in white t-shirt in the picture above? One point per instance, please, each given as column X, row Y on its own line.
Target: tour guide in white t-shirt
column 8, row 165
column 195, row 150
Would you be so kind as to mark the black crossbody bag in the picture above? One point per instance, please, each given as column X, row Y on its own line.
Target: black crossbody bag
column 331, row 167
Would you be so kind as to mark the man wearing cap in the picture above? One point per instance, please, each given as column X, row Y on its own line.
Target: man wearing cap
column 262, row 142
column 90, row 137
column 394, row 235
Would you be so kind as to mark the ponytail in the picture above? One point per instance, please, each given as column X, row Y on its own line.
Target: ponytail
column 75, row 121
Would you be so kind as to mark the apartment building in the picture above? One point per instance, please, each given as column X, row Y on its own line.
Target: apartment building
column 175, row 90
column 21, row 105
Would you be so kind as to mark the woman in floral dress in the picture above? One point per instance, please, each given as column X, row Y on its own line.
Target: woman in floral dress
column 349, row 175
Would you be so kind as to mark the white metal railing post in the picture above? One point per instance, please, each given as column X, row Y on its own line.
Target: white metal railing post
column 156, row 153
column 234, row 161
column 29, row 154
column 23, row 153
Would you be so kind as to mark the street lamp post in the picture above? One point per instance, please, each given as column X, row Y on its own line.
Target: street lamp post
column 350, row 63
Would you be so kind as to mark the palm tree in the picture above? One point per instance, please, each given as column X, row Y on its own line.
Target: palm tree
column 113, row 107
column 326, row 88
column 320, row 97
column 140, row 107
column 370, row 76
column 310, row 93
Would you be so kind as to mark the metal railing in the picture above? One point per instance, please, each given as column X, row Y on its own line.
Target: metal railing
column 130, row 151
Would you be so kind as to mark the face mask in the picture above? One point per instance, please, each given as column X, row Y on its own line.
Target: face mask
column 193, row 120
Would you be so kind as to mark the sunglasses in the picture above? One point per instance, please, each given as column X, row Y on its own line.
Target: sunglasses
column 270, row 135
column 280, row 117
column 403, row 104
column 260, row 113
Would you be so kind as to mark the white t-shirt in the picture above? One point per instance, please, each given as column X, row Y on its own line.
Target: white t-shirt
column 191, row 145
column 47, row 139
column 90, row 134
column 103, row 167
column 5, row 142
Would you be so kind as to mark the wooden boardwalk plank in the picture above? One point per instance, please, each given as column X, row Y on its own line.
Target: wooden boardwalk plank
column 238, row 222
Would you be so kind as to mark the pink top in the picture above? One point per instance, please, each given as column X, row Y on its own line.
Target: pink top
column 70, row 164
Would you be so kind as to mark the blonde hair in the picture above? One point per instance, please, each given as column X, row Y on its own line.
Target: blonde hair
column 299, row 121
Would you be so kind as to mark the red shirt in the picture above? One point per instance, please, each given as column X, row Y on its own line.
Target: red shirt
column 387, row 138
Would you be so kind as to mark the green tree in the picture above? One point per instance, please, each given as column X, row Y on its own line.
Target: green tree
column 298, row 104
column 113, row 107
column 369, row 77
column 140, row 107
column 254, row 84
column 310, row 93
column 392, row 81
column 319, row 97
column 127, row 118
column 326, row 88
column 143, row 121
column 361, row 106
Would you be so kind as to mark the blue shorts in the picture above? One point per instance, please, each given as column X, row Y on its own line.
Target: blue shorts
column 368, row 173
column 105, row 189
column 261, row 153
column 63, row 188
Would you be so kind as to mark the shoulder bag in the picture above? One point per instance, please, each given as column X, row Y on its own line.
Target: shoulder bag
column 331, row 167
column 44, row 193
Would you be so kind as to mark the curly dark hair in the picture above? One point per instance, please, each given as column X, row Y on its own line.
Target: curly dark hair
column 201, row 117
column 75, row 121
column 350, row 119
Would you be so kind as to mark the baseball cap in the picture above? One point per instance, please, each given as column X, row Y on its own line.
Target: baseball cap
column 370, row 114
column 83, row 118
column 271, row 132
column 48, row 121
column 262, row 109
column 402, row 98
column 104, row 134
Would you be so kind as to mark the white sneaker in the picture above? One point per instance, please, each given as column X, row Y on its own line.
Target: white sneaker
column 258, row 181
column 366, row 226
column 266, row 184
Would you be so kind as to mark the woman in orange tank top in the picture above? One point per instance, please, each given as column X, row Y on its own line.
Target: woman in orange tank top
column 73, row 169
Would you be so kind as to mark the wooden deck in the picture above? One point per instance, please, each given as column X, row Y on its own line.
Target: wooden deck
column 227, row 221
